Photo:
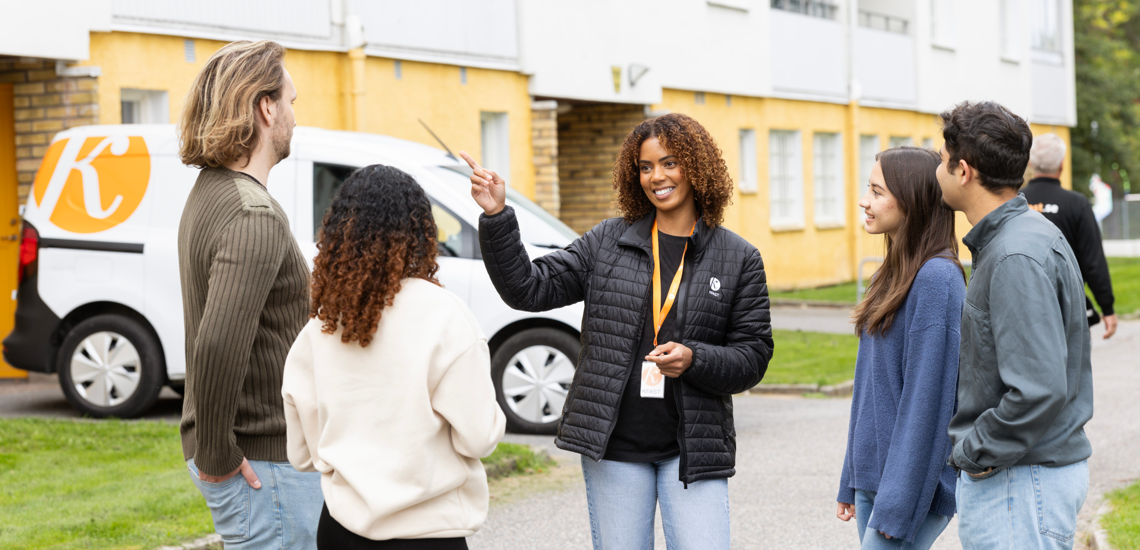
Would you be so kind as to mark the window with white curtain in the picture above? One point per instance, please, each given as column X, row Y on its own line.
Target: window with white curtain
column 785, row 177
column 1046, row 25
column 1007, row 29
column 868, row 148
column 496, row 143
column 827, row 173
column 747, row 183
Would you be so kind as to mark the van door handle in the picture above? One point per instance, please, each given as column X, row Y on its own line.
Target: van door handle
column 11, row 238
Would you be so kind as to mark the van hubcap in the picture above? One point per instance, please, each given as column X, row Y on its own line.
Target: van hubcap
column 535, row 383
column 105, row 369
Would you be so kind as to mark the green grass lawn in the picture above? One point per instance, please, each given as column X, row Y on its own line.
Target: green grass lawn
column 812, row 358
column 841, row 294
column 78, row 484
column 1125, row 274
column 1123, row 522
column 117, row 485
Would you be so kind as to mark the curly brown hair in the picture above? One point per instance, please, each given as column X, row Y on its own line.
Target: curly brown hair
column 378, row 231
column 701, row 163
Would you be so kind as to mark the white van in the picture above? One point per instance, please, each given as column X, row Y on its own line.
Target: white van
column 99, row 300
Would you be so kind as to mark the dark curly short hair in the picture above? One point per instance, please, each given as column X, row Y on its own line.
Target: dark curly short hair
column 378, row 231
column 701, row 163
column 991, row 139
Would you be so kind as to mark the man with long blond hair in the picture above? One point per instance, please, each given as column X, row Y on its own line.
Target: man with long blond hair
column 245, row 297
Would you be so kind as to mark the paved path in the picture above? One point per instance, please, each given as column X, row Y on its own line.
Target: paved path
column 813, row 319
column 788, row 461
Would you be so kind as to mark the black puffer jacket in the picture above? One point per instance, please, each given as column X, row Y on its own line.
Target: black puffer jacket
column 722, row 305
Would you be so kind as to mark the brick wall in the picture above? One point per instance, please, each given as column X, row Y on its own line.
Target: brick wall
column 589, row 137
column 544, row 141
column 45, row 104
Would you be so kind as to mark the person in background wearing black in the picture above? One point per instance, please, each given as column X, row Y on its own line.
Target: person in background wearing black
column 1072, row 214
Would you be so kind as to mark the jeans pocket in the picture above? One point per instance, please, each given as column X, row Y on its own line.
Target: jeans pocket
column 229, row 507
column 1056, row 508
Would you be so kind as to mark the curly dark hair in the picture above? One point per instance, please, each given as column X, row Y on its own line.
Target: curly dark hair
column 991, row 139
column 379, row 230
column 701, row 163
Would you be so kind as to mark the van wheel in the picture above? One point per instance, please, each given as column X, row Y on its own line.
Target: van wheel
column 110, row 365
column 532, row 372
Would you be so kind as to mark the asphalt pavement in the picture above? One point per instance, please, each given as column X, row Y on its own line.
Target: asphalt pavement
column 790, row 451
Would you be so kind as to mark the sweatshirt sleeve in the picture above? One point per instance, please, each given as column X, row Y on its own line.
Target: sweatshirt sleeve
column 1029, row 337
column 246, row 259
column 919, row 443
column 302, row 426
column 465, row 397
column 742, row 361
column 555, row 280
column 1090, row 258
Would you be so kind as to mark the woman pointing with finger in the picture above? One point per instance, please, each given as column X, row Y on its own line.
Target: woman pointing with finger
column 676, row 321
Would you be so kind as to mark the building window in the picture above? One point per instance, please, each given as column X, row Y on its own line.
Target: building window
column 699, row 98
column 827, row 157
column 812, row 8
column 463, row 75
column 1047, row 25
column 785, row 177
column 942, row 23
column 883, row 22
column 496, row 143
column 928, row 143
column 144, row 106
column 868, row 148
column 748, row 161
column 399, row 68
column 1007, row 29
column 188, row 51
column 900, row 141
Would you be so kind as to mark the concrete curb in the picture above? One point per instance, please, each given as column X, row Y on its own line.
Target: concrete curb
column 1098, row 538
column 210, row 542
column 842, row 389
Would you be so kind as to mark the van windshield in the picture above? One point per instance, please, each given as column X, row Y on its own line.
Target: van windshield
column 537, row 226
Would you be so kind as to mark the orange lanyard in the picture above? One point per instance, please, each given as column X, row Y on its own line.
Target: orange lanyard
column 661, row 311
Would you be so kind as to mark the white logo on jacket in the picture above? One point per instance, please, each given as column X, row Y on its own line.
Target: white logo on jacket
column 714, row 284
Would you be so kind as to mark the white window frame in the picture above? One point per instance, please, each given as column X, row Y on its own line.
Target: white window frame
column 869, row 147
column 748, row 163
column 827, row 177
column 1047, row 30
column 928, row 143
column 785, row 180
column 148, row 106
column 1008, row 37
column 496, row 138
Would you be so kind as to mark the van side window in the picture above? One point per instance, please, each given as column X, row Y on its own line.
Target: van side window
column 327, row 179
column 455, row 238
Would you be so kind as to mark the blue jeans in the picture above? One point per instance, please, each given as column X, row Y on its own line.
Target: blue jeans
column 282, row 515
column 1022, row 507
column 927, row 533
column 622, row 497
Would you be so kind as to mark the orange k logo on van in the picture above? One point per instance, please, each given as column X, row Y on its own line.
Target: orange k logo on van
column 91, row 185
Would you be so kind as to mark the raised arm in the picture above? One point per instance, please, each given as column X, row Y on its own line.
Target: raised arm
column 555, row 280
column 246, row 260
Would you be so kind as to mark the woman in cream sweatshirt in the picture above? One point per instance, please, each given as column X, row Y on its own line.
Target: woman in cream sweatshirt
column 388, row 388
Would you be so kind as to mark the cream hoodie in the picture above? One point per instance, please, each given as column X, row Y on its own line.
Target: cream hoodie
column 397, row 428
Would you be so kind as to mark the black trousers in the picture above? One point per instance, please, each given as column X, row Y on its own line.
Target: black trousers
column 331, row 535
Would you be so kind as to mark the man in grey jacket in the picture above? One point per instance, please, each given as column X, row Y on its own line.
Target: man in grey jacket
column 1025, row 379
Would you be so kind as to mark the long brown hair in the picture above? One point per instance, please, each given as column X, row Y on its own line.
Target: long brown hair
column 927, row 232
column 378, row 231
column 701, row 163
column 219, row 115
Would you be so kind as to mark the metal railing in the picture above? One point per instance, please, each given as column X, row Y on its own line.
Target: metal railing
column 859, row 287
column 883, row 22
column 813, row 8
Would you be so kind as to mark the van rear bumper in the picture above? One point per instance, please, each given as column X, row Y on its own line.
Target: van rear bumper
column 29, row 345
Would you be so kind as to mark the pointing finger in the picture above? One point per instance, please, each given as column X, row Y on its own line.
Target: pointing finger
column 470, row 161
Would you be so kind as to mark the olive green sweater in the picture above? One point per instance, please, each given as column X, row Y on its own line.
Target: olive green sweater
column 245, row 296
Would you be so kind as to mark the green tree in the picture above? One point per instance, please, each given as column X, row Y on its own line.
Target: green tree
column 1107, row 49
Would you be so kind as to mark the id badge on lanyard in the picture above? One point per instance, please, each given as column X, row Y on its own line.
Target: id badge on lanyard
column 652, row 381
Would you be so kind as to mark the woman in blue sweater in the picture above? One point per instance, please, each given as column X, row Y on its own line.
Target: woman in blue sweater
column 895, row 481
